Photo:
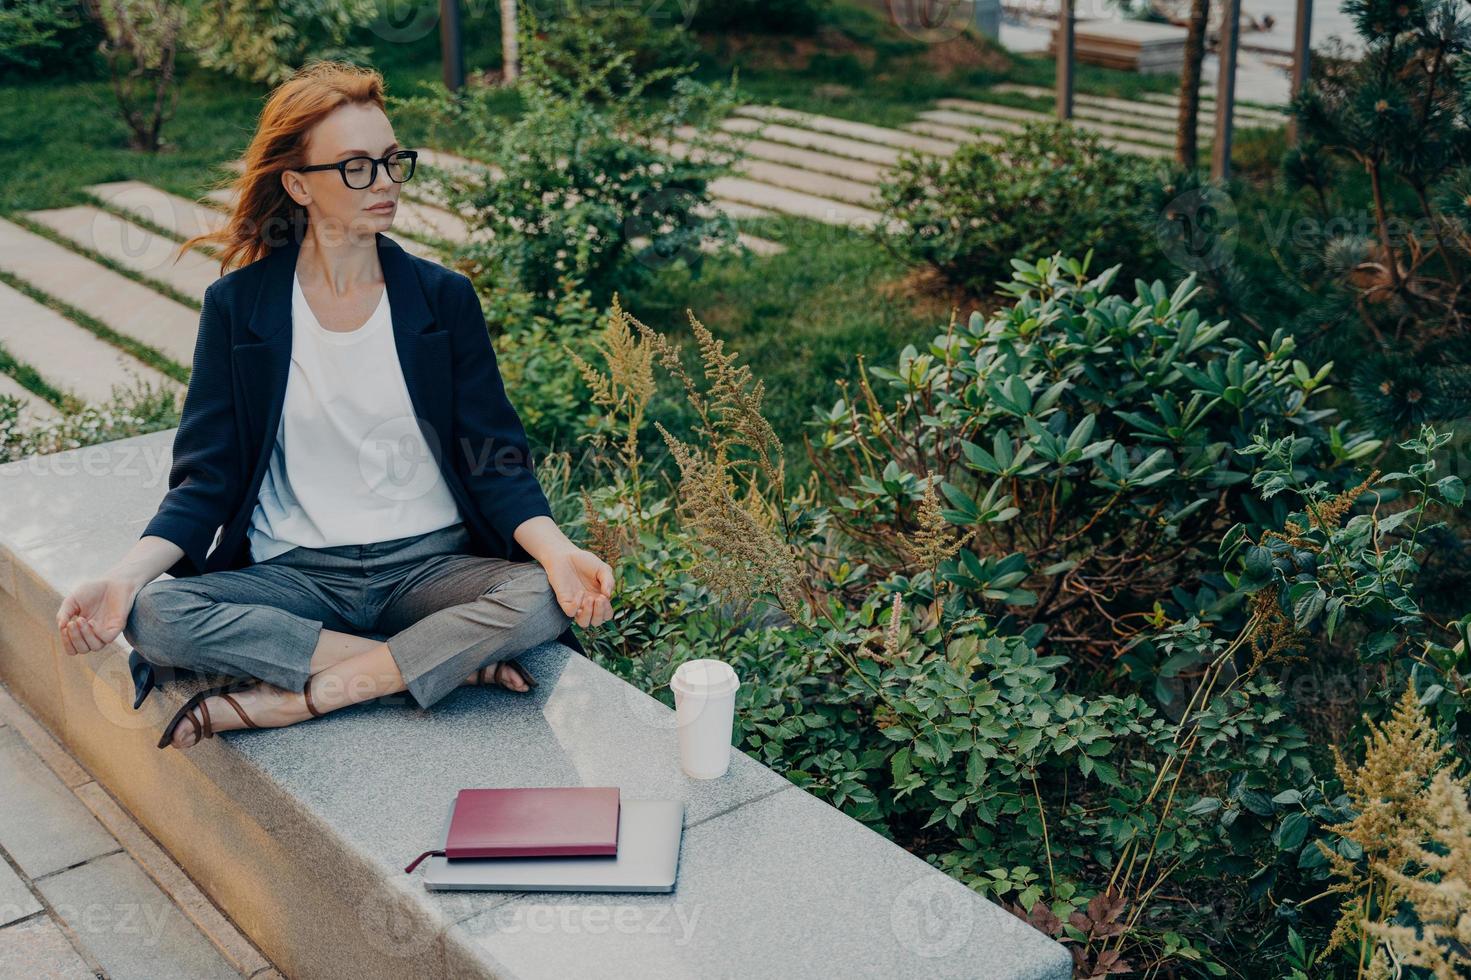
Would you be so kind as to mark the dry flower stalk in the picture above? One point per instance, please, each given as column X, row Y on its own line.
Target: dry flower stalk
column 1404, row 798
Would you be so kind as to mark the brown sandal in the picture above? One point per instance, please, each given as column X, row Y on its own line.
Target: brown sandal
column 307, row 692
column 484, row 674
column 206, row 729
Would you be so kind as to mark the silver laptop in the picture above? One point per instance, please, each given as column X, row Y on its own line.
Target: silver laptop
column 649, row 833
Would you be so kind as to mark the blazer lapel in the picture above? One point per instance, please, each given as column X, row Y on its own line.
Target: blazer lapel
column 263, row 364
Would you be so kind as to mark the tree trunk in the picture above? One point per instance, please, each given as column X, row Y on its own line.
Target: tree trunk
column 510, row 49
column 1187, row 147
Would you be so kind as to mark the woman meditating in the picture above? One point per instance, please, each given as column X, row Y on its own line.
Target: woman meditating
column 347, row 433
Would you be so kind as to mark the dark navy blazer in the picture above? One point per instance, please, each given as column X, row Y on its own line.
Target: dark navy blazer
column 232, row 409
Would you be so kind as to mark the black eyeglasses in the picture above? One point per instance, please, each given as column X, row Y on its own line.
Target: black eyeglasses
column 360, row 172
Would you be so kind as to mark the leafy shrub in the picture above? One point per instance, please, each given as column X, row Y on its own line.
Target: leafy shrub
column 131, row 412
column 582, row 187
column 1049, row 188
column 1085, row 442
column 44, row 38
column 1173, row 806
column 761, row 16
column 624, row 36
column 266, row 42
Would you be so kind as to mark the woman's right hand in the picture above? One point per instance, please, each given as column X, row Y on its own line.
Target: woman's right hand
column 95, row 612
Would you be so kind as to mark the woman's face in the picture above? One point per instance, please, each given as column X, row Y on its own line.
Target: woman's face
column 335, row 209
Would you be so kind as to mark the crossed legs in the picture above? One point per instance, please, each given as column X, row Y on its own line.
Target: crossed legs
column 452, row 615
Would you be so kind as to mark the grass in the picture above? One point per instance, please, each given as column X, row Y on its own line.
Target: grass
column 801, row 319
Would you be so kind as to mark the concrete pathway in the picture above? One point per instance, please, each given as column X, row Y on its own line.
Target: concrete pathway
column 132, row 246
column 85, row 893
column 66, row 355
column 125, row 305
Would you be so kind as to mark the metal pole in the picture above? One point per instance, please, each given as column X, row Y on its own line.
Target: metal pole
column 451, row 55
column 1301, row 51
column 1065, row 54
column 1226, row 91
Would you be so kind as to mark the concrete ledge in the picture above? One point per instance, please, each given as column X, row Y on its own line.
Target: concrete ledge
column 301, row 833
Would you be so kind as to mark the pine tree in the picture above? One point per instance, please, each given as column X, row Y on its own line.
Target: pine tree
column 1398, row 116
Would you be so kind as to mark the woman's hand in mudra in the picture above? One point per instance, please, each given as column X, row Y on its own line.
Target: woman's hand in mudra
column 94, row 613
column 583, row 583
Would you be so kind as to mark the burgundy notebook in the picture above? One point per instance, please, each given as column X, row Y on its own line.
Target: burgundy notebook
column 531, row 821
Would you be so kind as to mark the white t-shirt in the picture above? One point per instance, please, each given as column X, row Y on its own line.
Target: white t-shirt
column 349, row 465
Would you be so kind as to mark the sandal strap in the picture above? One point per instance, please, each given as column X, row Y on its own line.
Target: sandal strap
column 307, row 691
column 230, row 699
column 198, row 732
column 204, row 713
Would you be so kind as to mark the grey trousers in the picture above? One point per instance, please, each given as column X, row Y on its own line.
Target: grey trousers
column 443, row 612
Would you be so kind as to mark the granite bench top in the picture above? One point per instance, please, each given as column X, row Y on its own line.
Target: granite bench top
column 301, row 833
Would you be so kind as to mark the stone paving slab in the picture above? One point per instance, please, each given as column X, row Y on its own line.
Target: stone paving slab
column 885, row 156
column 16, row 900
column 183, row 217
column 795, row 203
column 132, row 247
column 1131, row 134
column 1085, row 107
column 1156, row 106
column 952, row 117
column 123, row 304
column 882, row 135
column 130, row 925
column 973, row 121
column 37, row 949
column 737, row 210
column 138, row 919
column 955, row 133
column 158, row 866
column 794, row 156
column 43, row 826
column 795, row 178
column 33, row 408
column 66, row 355
column 1267, row 116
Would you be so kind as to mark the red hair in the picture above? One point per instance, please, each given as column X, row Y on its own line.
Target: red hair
column 264, row 214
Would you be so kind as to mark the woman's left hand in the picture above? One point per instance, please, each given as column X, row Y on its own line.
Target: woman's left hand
column 583, row 583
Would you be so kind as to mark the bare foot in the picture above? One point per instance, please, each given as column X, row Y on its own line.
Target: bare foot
column 267, row 705
column 505, row 674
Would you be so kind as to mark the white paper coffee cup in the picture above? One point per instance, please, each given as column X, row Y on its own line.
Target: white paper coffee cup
column 704, row 711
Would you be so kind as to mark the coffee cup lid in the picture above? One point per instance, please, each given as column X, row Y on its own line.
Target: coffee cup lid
column 705, row 677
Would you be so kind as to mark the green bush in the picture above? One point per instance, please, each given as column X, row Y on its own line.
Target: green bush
column 1085, row 439
column 761, row 16
column 622, row 35
column 582, row 187
column 266, row 42
column 1049, row 188
column 1159, row 807
column 130, row 412
column 45, row 39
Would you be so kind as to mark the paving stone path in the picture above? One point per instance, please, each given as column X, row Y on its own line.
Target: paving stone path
column 87, row 893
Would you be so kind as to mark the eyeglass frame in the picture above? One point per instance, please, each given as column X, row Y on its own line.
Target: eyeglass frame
column 341, row 167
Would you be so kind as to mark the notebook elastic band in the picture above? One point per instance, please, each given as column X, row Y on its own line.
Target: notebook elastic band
column 421, row 857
